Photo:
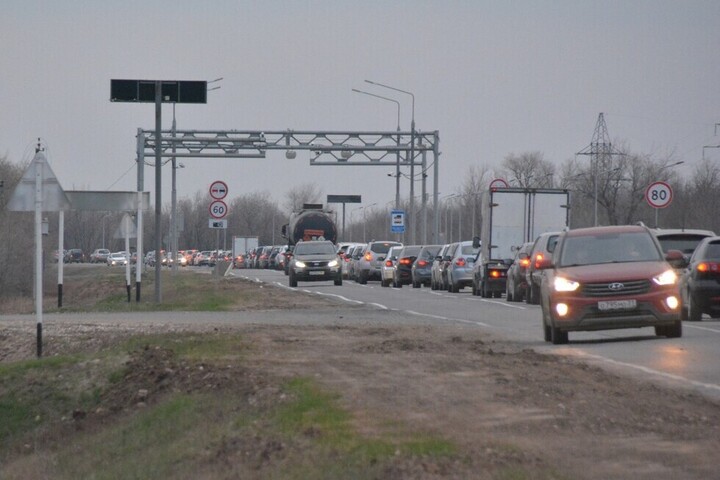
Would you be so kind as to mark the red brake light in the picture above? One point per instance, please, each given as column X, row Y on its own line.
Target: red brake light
column 525, row 262
column 708, row 267
column 538, row 260
column 460, row 262
column 405, row 261
column 494, row 274
column 368, row 256
column 422, row 263
column 388, row 263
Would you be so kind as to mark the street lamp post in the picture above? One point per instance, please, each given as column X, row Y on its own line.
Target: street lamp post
column 661, row 169
column 412, row 156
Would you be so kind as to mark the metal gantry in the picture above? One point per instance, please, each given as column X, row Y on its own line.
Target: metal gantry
column 346, row 148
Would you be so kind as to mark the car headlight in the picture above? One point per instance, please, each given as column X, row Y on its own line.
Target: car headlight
column 333, row 263
column 562, row 284
column 668, row 277
column 299, row 263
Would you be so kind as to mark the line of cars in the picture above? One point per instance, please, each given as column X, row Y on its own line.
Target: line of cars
column 586, row 279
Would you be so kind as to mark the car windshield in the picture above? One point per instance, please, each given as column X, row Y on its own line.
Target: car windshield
column 410, row 251
column 712, row 251
column 383, row 247
column 608, row 248
column 314, row 249
column 469, row 250
column 430, row 252
column 685, row 242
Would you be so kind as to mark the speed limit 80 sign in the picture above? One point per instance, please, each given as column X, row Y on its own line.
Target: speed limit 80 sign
column 659, row 194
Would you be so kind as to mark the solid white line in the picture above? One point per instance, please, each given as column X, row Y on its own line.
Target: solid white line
column 685, row 324
column 350, row 300
column 379, row 305
column 695, row 383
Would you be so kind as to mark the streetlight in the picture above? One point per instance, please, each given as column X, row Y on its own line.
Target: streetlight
column 660, row 170
column 412, row 154
column 397, row 155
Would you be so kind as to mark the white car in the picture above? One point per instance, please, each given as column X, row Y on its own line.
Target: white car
column 387, row 269
column 117, row 258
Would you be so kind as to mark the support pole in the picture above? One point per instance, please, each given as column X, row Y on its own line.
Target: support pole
column 158, row 188
column 139, row 260
column 39, row 164
column 61, row 257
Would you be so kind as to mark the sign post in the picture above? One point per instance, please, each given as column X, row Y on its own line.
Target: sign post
column 658, row 195
column 344, row 199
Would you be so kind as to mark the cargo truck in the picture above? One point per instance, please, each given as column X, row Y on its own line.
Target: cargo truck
column 513, row 216
column 312, row 222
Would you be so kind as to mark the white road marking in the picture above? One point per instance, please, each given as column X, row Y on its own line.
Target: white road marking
column 497, row 302
column 449, row 319
column 349, row 300
column 694, row 383
column 698, row 327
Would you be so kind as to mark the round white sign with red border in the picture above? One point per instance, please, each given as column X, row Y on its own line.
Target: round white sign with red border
column 218, row 190
column 218, row 209
column 659, row 194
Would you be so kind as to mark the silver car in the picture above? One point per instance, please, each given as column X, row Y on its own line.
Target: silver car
column 436, row 271
column 459, row 269
column 368, row 266
column 387, row 271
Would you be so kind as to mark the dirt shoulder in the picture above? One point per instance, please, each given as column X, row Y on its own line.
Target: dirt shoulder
column 507, row 408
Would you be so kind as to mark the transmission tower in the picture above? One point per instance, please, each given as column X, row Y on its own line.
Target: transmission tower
column 600, row 152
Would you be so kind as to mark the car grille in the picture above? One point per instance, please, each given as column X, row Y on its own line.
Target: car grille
column 632, row 287
column 317, row 264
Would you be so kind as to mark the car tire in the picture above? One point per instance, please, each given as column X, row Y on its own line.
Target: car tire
column 497, row 294
column 694, row 313
column 383, row 282
column 292, row 280
column 557, row 336
column 416, row 284
column 509, row 296
column 338, row 281
column 362, row 278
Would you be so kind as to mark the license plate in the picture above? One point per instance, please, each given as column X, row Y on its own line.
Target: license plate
column 617, row 305
column 320, row 272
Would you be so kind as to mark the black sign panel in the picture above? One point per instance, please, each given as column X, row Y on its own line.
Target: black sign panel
column 344, row 199
column 180, row 91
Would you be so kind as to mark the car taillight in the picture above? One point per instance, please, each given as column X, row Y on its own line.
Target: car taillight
column 388, row 263
column 460, row 262
column 405, row 261
column 368, row 256
column 422, row 263
column 538, row 260
column 525, row 262
column 497, row 273
column 708, row 269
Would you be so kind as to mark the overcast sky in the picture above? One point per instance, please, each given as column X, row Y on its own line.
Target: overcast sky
column 493, row 77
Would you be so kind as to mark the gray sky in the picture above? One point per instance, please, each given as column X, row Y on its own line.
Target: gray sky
column 493, row 77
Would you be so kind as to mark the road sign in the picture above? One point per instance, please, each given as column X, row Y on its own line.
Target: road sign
column 173, row 91
column 218, row 190
column 344, row 199
column 218, row 209
column 397, row 221
column 499, row 183
column 213, row 223
column 659, row 194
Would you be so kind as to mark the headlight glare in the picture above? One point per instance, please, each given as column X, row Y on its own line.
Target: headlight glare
column 562, row 284
column 333, row 263
column 299, row 264
column 668, row 277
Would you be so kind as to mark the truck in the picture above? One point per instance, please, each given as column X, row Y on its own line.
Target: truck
column 242, row 245
column 312, row 222
column 513, row 216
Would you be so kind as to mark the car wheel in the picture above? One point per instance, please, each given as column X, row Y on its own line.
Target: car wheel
column 362, row 278
column 497, row 294
column 474, row 288
column 694, row 314
column 383, row 282
column 292, row 280
column 547, row 336
column 558, row 337
column 338, row 280
column 509, row 296
column 415, row 284
column 433, row 285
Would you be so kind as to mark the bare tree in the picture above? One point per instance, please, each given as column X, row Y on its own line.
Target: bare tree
column 529, row 170
column 300, row 194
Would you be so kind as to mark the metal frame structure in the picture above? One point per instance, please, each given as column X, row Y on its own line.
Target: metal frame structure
column 347, row 148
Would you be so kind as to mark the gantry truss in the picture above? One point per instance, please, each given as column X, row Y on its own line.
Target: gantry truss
column 371, row 148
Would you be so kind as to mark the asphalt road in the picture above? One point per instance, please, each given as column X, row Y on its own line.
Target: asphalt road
column 692, row 361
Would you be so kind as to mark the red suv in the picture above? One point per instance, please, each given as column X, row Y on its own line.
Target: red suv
column 604, row 278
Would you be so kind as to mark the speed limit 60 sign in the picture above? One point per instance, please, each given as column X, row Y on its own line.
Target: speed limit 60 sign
column 659, row 194
column 218, row 209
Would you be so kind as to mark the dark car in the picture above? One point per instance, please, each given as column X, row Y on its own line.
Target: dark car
column 516, row 285
column 542, row 251
column 315, row 260
column 74, row 255
column 422, row 266
column 604, row 278
column 700, row 282
column 402, row 274
column 684, row 240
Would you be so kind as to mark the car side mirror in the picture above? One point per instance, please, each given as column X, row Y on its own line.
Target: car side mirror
column 676, row 259
column 476, row 242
